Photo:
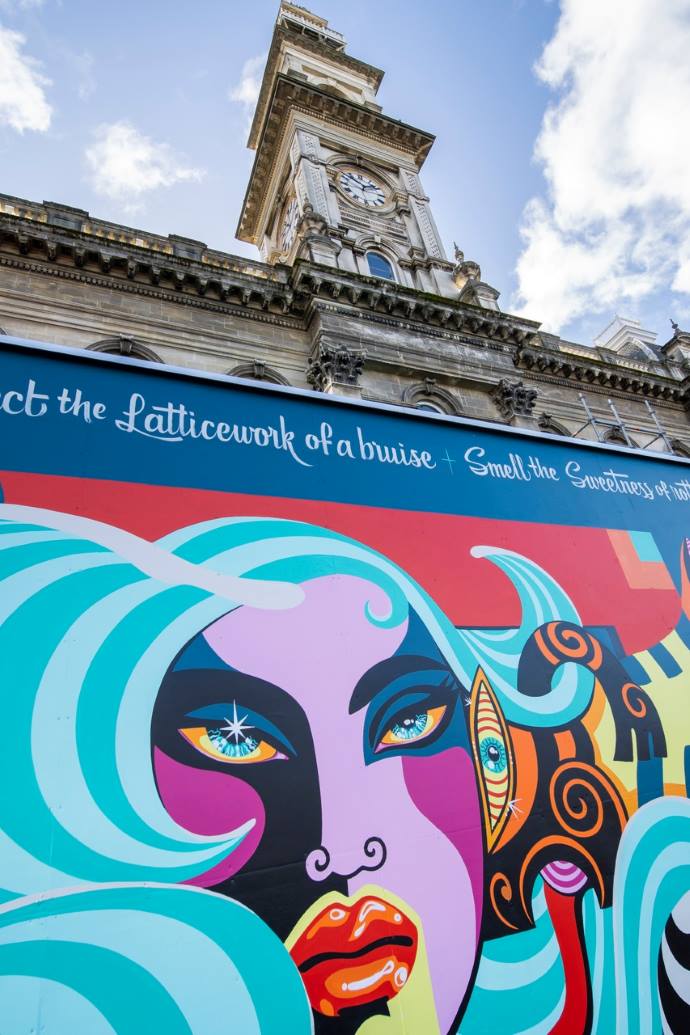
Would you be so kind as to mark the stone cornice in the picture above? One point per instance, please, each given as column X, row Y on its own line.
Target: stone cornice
column 568, row 367
column 36, row 219
column 336, row 57
column 217, row 281
column 249, row 305
column 401, row 304
column 188, row 273
column 291, row 93
column 59, row 242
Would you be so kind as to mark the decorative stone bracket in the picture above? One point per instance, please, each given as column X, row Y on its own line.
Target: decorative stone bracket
column 513, row 399
column 336, row 369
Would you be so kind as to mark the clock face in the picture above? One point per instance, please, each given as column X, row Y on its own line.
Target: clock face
column 361, row 189
column 287, row 230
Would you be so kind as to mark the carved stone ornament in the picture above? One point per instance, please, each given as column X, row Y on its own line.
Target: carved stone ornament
column 312, row 222
column 334, row 366
column 513, row 399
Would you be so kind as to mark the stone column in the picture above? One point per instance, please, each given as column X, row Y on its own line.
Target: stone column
column 309, row 173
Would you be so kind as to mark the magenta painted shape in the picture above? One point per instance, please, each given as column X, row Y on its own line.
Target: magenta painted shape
column 210, row 803
column 442, row 788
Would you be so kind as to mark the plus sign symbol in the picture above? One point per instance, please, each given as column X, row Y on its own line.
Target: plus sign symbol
column 448, row 459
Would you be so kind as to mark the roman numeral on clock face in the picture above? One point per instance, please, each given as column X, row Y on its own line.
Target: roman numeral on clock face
column 362, row 190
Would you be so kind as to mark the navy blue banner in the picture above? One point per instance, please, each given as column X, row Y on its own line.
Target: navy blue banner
column 87, row 416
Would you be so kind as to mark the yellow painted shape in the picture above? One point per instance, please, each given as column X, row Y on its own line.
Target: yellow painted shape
column 671, row 697
column 413, row 1009
column 598, row 721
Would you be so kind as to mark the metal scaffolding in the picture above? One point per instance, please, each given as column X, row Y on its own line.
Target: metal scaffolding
column 617, row 428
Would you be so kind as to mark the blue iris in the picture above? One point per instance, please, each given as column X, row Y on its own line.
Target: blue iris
column 411, row 727
column 493, row 754
column 245, row 747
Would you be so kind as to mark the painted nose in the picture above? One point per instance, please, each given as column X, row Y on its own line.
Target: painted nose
column 372, row 856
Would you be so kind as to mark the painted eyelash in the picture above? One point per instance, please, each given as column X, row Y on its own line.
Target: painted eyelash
column 213, row 716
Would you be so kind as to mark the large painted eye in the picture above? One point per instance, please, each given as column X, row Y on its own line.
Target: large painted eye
column 219, row 744
column 493, row 755
column 234, row 736
column 492, row 752
column 411, row 727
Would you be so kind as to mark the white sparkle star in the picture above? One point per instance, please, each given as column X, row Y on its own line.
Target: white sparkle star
column 513, row 806
column 236, row 727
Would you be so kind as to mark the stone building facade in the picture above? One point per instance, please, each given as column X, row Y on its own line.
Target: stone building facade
column 354, row 293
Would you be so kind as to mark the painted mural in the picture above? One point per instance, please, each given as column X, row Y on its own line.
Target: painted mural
column 280, row 765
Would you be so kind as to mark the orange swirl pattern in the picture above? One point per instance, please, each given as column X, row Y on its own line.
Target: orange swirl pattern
column 576, row 804
column 559, row 642
column 501, row 885
column 634, row 699
column 578, row 794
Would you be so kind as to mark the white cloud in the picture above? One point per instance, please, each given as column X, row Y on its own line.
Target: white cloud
column 23, row 103
column 124, row 164
column 246, row 91
column 615, row 151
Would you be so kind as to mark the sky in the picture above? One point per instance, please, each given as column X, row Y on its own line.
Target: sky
column 562, row 157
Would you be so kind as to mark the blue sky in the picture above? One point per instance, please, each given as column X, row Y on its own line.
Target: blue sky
column 561, row 156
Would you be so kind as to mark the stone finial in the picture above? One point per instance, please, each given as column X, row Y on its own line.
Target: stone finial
column 677, row 348
column 458, row 253
column 514, row 399
column 334, row 367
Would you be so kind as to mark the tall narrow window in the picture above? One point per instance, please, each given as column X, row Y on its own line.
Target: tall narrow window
column 379, row 266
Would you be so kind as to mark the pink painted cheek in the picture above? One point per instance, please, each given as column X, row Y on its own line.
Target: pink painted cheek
column 443, row 788
column 210, row 803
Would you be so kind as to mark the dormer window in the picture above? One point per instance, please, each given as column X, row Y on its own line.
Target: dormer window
column 379, row 266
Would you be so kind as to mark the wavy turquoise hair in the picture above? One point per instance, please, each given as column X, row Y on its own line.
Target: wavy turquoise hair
column 90, row 620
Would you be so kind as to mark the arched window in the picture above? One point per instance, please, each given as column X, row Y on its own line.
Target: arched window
column 431, row 397
column 617, row 435
column 258, row 371
column 379, row 266
column 124, row 346
column 548, row 423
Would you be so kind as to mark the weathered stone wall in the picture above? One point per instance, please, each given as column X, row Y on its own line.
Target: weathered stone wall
column 69, row 279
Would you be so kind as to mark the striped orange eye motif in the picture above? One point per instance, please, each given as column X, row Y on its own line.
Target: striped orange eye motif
column 493, row 757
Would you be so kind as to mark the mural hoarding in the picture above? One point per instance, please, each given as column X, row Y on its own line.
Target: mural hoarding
column 325, row 717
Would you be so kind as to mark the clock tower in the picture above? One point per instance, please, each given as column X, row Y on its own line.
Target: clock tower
column 335, row 180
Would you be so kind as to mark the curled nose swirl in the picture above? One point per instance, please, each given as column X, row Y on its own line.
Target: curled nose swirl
column 320, row 865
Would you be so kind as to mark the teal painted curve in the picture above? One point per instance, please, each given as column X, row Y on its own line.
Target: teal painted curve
column 652, row 874
column 155, row 928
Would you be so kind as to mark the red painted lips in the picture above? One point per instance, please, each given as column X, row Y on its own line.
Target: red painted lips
column 354, row 954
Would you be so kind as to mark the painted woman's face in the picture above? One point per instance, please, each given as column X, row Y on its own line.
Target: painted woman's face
column 345, row 742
